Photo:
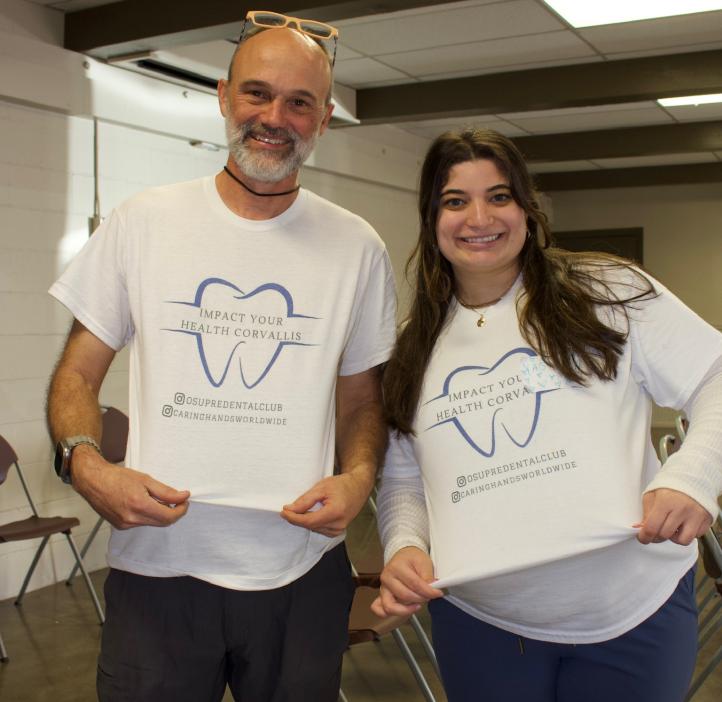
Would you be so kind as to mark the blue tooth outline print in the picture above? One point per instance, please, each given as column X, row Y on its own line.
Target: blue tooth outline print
column 290, row 314
column 484, row 370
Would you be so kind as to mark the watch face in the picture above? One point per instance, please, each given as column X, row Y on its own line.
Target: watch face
column 62, row 458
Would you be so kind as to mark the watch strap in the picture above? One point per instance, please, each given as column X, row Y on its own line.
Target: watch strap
column 74, row 441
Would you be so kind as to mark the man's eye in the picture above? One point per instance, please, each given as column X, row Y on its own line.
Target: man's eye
column 300, row 105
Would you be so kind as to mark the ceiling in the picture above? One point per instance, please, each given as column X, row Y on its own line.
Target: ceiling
column 581, row 103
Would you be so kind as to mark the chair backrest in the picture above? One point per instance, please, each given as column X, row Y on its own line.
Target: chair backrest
column 115, row 435
column 668, row 444
column 7, row 458
column 682, row 425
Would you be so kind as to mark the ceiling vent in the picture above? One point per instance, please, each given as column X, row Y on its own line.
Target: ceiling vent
column 199, row 67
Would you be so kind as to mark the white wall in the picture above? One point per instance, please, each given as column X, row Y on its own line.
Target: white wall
column 682, row 238
column 47, row 100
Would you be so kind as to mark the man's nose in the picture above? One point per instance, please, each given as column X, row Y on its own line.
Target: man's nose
column 274, row 114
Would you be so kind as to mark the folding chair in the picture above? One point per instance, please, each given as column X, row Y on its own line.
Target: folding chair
column 711, row 621
column 365, row 626
column 37, row 527
column 710, row 611
column 113, row 443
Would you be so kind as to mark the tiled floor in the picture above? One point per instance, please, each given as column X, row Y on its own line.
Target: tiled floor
column 53, row 639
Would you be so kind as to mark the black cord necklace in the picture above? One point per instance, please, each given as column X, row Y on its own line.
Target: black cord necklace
column 253, row 192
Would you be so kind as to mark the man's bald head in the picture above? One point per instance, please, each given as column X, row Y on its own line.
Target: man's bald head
column 285, row 41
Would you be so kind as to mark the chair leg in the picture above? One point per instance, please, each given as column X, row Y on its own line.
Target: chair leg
column 29, row 574
column 704, row 674
column 424, row 639
column 88, row 582
column 710, row 626
column 705, row 599
column 3, row 651
column 84, row 550
column 418, row 674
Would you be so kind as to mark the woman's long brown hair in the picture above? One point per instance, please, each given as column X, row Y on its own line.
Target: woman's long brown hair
column 558, row 310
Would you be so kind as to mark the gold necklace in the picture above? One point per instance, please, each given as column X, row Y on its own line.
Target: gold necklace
column 476, row 309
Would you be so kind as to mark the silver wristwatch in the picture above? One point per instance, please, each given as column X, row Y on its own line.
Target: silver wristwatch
column 64, row 452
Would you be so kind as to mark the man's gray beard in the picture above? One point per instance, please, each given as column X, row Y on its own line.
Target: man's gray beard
column 268, row 166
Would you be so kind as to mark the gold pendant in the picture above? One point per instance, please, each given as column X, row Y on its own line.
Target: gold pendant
column 481, row 321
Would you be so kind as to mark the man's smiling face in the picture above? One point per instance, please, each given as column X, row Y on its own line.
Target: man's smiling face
column 275, row 103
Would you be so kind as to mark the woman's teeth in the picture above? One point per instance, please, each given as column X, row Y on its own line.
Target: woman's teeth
column 481, row 239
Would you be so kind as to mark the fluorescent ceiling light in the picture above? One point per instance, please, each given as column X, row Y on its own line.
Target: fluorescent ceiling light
column 691, row 100
column 590, row 13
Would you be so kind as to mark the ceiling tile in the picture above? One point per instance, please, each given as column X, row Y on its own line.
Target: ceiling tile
column 363, row 71
column 343, row 53
column 450, row 122
column 562, row 166
column 570, row 111
column 448, row 27
column 486, row 70
column 658, row 160
column 685, row 30
column 412, row 12
column 431, row 130
column 590, row 120
column 499, row 52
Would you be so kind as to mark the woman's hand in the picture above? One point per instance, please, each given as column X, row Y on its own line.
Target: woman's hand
column 670, row 514
column 405, row 584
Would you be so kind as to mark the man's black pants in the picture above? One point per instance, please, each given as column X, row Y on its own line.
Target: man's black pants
column 183, row 639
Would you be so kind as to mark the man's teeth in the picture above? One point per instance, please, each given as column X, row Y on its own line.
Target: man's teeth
column 268, row 140
column 481, row 239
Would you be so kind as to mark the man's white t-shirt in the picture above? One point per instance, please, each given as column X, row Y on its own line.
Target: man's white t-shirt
column 238, row 330
column 532, row 484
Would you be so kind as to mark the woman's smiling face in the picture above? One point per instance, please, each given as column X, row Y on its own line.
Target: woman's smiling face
column 480, row 228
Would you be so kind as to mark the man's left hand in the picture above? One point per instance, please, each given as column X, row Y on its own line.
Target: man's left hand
column 330, row 505
column 671, row 515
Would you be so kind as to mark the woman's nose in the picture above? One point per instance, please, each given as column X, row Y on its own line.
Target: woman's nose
column 479, row 214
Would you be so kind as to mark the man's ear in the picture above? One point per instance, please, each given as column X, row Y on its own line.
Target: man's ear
column 326, row 118
column 223, row 96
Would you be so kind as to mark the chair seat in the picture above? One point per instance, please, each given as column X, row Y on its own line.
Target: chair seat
column 364, row 625
column 36, row 527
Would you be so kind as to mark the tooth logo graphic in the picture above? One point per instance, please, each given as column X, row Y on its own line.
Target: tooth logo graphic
column 485, row 404
column 252, row 327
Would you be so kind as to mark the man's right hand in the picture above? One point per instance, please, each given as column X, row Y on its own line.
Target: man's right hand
column 125, row 497
column 405, row 583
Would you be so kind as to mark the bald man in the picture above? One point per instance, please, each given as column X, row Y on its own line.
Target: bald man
column 257, row 316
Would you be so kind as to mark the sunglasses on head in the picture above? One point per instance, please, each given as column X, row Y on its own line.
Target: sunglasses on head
column 272, row 20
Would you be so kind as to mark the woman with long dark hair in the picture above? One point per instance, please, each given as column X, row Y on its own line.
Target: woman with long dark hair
column 521, row 493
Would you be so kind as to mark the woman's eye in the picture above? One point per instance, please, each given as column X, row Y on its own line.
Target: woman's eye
column 501, row 197
column 453, row 203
